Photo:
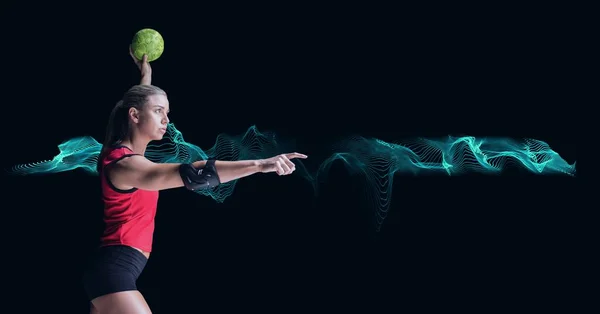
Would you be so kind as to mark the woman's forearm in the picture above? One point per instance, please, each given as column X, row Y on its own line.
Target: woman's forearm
column 232, row 170
column 146, row 79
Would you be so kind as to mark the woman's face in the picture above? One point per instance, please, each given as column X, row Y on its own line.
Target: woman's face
column 153, row 119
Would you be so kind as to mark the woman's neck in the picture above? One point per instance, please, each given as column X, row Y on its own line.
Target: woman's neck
column 137, row 145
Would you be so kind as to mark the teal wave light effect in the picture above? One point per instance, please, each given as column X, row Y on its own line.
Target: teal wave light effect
column 79, row 152
column 374, row 160
column 378, row 162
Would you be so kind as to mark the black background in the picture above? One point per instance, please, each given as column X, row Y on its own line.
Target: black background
column 315, row 75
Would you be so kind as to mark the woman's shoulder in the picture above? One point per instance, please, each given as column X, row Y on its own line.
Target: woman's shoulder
column 117, row 152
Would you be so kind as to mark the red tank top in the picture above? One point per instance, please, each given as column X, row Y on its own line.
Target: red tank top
column 128, row 214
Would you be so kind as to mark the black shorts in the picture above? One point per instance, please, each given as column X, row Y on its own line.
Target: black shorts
column 112, row 269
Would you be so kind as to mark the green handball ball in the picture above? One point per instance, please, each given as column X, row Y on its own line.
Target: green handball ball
column 147, row 41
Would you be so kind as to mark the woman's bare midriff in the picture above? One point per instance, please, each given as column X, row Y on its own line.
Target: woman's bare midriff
column 147, row 254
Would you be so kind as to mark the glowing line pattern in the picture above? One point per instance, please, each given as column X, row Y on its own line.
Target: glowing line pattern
column 374, row 160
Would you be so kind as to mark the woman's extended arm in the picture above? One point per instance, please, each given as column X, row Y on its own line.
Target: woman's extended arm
column 145, row 68
column 139, row 172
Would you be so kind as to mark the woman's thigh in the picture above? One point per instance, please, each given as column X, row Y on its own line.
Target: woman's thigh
column 123, row 302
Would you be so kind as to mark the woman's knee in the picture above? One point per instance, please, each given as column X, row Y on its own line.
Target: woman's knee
column 121, row 303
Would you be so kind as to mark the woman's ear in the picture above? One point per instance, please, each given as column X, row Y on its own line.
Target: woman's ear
column 134, row 115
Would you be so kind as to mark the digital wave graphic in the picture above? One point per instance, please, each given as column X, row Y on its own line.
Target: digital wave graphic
column 376, row 161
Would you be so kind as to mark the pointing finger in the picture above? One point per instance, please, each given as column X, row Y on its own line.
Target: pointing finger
column 296, row 155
